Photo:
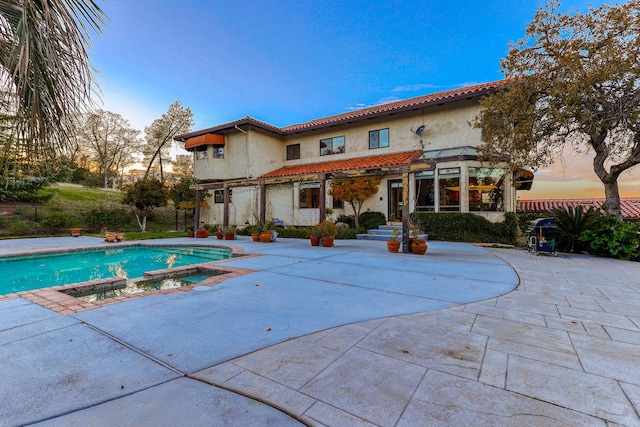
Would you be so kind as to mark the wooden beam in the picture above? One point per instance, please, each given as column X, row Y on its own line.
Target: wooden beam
column 196, row 215
column 225, row 216
column 323, row 197
column 405, row 212
column 263, row 202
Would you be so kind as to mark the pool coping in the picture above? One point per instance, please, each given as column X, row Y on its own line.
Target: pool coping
column 62, row 303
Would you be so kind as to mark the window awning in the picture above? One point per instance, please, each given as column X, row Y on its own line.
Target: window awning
column 206, row 139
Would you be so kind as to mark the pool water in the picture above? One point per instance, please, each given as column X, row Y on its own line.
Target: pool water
column 28, row 272
column 103, row 292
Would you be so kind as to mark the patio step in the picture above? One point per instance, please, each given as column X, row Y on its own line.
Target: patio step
column 383, row 232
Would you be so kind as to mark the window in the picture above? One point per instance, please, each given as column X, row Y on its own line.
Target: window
column 337, row 204
column 218, row 196
column 378, row 138
column 486, row 189
column 449, row 183
column 309, row 195
column 201, row 152
column 218, row 151
column 425, row 190
column 293, row 151
column 332, row 146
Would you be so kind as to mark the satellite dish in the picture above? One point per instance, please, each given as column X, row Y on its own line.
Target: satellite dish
column 420, row 130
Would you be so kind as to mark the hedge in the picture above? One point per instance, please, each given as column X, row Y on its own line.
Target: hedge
column 467, row 227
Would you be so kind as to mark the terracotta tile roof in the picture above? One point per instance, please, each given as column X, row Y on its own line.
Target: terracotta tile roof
column 384, row 160
column 630, row 207
column 364, row 113
column 407, row 104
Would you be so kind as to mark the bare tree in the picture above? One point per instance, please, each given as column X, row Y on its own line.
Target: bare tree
column 159, row 135
column 109, row 141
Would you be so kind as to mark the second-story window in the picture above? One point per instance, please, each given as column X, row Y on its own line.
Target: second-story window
column 378, row 138
column 201, row 152
column 293, row 152
column 332, row 145
column 218, row 151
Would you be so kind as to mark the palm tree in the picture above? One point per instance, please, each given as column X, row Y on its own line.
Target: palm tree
column 46, row 77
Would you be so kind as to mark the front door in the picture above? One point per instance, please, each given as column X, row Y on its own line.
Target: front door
column 395, row 201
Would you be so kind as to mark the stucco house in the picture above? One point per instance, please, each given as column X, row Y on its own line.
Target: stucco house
column 423, row 148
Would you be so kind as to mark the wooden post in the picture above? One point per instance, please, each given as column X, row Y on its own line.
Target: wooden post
column 323, row 197
column 405, row 212
column 196, row 215
column 225, row 217
column 263, row 202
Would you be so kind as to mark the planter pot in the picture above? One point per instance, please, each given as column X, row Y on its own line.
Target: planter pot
column 191, row 234
column 393, row 246
column 419, row 246
column 119, row 237
column 75, row 232
column 229, row 236
column 110, row 238
column 219, row 235
column 315, row 240
column 327, row 242
column 255, row 237
column 200, row 234
column 265, row 236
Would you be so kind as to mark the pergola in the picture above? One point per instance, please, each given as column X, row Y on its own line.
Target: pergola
column 404, row 170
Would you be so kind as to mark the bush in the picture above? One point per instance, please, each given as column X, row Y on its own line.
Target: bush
column 347, row 219
column 24, row 227
column 111, row 218
column 467, row 227
column 613, row 238
column 293, row 232
column 57, row 220
column 570, row 224
column 371, row 220
column 349, row 233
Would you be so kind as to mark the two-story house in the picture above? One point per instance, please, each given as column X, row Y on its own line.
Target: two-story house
column 422, row 148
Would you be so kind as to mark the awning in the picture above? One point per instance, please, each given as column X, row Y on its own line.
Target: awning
column 206, row 139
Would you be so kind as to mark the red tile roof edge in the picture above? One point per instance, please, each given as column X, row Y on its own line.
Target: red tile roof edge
column 381, row 160
column 630, row 207
column 381, row 109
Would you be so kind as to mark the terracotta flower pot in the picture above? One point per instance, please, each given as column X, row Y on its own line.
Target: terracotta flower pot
column 393, row 246
column 219, row 235
column 265, row 236
column 255, row 237
column 229, row 236
column 75, row 232
column 315, row 240
column 327, row 242
column 419, row 246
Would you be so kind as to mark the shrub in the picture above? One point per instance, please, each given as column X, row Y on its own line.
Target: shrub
column 370, row 220
column 467, row 227
column 293, row 232
column 57, row 220
column 570, row 224
column 349, row 233
column 113, row 218
column 347, row 219
column 24, row 227
column 613, row 238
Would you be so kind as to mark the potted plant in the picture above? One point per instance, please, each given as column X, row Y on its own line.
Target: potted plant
column 314, row 235
column 229, row 232
column 393, row 244
column 75, row 232
column 417, row 244
column 327, row 231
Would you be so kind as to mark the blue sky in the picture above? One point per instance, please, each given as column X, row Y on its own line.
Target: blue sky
column 287, row 62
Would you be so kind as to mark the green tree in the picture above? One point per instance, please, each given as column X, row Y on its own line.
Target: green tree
column 45, row 75
column 573, row 81
column 354, row 191
column 143, row 196
column 159, row 136
column 184, row 197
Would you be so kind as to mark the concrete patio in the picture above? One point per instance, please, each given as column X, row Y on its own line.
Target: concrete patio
column 339, row 336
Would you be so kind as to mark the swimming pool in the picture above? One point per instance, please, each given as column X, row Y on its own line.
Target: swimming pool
column 28, row 272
